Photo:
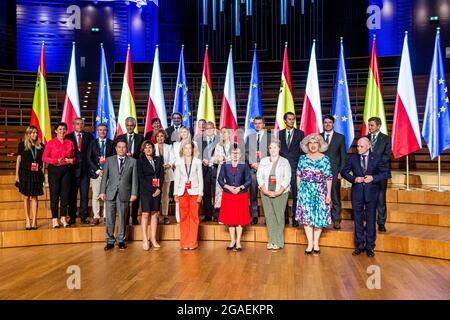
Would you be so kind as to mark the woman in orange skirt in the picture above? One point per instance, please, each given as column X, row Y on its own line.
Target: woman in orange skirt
column 188, row 192
column 235, row 180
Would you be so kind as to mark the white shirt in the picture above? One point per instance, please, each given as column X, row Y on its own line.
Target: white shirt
column 330, row 135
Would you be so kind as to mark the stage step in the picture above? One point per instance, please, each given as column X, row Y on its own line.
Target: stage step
column 401, row 238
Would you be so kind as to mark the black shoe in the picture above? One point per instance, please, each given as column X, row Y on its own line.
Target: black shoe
column 316, row 252
column 86, row 221
column 337, row 225
column 381, row 228
column 206, row 219
column 72, row 220
column 357, row 252
column 254, row 221
column 370, row 253
column 135, row 222
column 122, row 246
column 109, row 246
column 307, row 253
column 237, row 248
column 295, row 224
column 231, row 248
column 286, row 221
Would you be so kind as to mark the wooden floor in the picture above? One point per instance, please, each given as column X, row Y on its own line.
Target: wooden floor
column 214, row 273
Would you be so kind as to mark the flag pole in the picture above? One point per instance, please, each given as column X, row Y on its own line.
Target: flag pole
column 439, row 189
column 407, row 176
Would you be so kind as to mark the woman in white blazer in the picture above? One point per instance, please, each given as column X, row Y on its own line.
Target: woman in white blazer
column 274, row 181
column 165, row 151
column 188, row 193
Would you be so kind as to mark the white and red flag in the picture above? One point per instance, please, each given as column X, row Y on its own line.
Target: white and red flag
column 71, row 108
column 228, row 114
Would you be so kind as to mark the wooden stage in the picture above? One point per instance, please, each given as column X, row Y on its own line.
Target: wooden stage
column 211, row 272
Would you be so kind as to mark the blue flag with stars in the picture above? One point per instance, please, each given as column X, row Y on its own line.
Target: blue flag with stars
column 254, row 108
column 341, row 109
column 436, row 120
column 105, row 108
column 181, row 103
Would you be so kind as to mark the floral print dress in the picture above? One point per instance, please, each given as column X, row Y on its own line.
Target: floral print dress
column 311, row 206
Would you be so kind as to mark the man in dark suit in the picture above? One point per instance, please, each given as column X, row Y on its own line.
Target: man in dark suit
column 290, row 139
column 365, row 171
column 151, row 135
column 256, row 148
column 119, row 187
column 381, row 145
column 134, row 142
column 207, row 142
column 81, row 141
column 99, row 149
column 172, row 131
column 337, row 154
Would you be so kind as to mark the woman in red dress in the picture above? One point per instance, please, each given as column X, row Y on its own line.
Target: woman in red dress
column 235, row 180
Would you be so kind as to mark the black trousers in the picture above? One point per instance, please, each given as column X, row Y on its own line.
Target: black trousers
column 363, row 208
column 209, row 189
column 381, row 205
column 254, row 211
column 81, row 184
column 336, row 198
column 59, row 181
column 294, row 196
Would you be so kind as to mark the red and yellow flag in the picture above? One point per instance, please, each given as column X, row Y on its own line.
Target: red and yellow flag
column 40, row 114
column 127, row 106
column 205, row 109
column 285, row 97
column 373, row 106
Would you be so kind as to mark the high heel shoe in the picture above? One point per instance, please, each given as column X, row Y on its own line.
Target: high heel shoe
column 231, row 247
column 307, row 253
column 64, row 223
column 55, row 224
column 156, row 245
column 145, row 245
column 316, row 252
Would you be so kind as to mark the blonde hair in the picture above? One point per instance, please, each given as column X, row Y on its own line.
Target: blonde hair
column 228, row 131
column 27, row 142
column 194, row 153
column 315, row 136
column 188, row 131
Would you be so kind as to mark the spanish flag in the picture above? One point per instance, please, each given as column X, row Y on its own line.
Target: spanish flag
column 373, row 106
column 285, row 97
column 127, row 106
column 205, row 109
column 40, row 114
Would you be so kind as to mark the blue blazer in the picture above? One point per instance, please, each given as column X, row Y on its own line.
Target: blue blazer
column 241, row 177
column 376, row 167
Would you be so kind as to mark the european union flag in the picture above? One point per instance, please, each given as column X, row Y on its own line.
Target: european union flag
column 436, row 120
column 105, row 108
column 254, row 108
column 181, row 103
column 341, row 109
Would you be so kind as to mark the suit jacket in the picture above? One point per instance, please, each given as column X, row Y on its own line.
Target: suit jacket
column 138, row 139
column 251, row 147
column 376, row 167
column 93, row 157
column 336, row 152
column 122, row 185
column 146, row 174
column 294, row 151
column 242, row 177
column 181, row 177
column 82, row 165
column 171, row 135
column 382, row 146
column 207, row 152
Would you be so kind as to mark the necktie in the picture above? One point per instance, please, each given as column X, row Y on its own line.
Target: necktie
column 176, row 129
column 363, row 163
column 121, row 165
column 289, row 139
column 130, row 142
column 102, row 148
column 327, row 139
column 257, row 142
column 79, row 142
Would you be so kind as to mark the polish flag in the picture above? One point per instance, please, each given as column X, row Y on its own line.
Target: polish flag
column 311, row 121
column 71, row 108
column 156, row 107
column 405, row 129
column 228, row 115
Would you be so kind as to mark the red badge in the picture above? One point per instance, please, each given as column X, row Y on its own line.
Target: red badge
column 273, row 179
column 102, row 160
column 188, row 184
column 258, row 155
column 34, row 166
column 155, row 182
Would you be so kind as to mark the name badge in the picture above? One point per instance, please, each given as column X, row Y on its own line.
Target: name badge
column 155, row 182
column 129, row 154
column 34, row 166
column 258, row 155
column 273, row 180
column 188, row 184
column 102, row 160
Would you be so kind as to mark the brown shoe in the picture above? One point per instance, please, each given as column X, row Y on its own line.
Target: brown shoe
column 166, row 221
column 95, row 222
column 337, row 225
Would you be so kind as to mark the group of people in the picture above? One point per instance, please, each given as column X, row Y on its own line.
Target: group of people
column 212, row 171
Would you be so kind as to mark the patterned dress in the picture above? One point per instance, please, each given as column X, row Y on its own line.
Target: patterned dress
column 311, row 206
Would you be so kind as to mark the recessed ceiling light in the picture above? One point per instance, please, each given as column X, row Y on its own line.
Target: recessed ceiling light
column 84, row 106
